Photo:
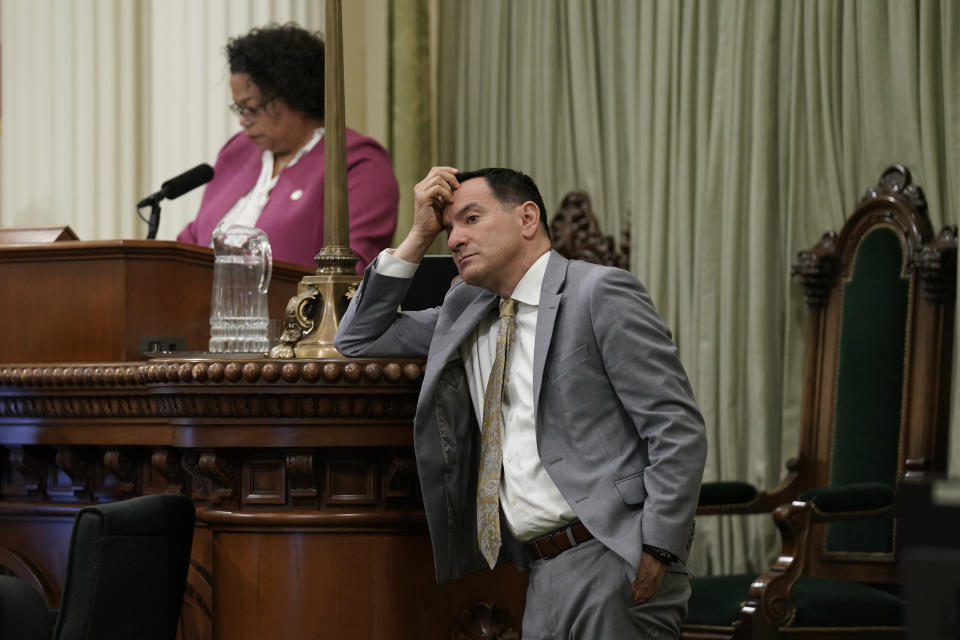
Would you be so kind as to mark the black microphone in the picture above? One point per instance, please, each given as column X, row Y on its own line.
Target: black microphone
column 176, row 187
column 171, row 189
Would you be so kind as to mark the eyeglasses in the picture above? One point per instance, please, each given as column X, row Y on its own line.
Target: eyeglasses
column 247, row 112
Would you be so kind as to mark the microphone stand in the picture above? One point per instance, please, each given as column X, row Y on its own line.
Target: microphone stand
column 154, row 221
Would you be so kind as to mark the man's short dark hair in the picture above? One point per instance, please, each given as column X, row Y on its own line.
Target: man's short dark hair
column 283, row 61
column 510, row 187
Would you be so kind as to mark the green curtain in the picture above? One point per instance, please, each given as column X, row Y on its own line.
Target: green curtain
column 410, row 135
column 729, row 134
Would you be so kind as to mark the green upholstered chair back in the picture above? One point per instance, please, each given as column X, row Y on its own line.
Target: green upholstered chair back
column 868, row 418
column 127, row 569
column 878, row 364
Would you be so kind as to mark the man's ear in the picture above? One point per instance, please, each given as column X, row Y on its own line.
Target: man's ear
column 529, row 218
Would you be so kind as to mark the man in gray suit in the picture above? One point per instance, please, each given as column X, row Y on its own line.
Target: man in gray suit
column 575, row 387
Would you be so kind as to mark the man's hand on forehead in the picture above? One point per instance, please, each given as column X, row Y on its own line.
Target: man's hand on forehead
column 430, row 196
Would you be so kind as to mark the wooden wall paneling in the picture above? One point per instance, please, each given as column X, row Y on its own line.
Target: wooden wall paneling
column 46, row 297
column 352, row 481
column 380, row 587
column 264, row 481
column 166, row 297
column 197, row 616
column 236, row 587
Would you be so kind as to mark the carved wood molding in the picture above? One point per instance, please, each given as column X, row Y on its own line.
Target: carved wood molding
column 214, row 372
column 227, row 406
column 124, row 466
column 352, row 482
column 896, row 201
column 400, row 480
column 191, row 389
column 78, row 465
column 220, row 469
column 302, row 477
column 317, row 479
column 818, row 268
column 340, row 520
column 936, row 264
column 896, row 180
column 28, row 471
column 167, row 462
column 769, row 604
column 577, row 236
column 200, row 486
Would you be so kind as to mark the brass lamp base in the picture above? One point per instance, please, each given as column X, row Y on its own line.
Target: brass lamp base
column 313, row 315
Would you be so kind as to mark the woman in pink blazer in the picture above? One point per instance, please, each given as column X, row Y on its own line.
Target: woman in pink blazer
column 271, row 174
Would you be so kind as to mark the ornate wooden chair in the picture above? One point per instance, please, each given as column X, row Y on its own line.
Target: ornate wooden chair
column 875, row 404
column 576, row 235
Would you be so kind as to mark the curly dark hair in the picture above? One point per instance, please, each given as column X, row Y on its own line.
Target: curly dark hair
column 510, row 187
column 284, row 61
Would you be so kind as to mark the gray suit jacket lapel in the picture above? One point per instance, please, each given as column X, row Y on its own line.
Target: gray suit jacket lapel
column 443, row 346
column 553, row 280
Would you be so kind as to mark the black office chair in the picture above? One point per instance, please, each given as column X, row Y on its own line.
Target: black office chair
column 125, row 576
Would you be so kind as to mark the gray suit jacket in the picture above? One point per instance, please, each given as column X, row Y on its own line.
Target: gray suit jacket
column 618, row 430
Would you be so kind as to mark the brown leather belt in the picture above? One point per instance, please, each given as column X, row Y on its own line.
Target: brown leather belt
column 546, row 547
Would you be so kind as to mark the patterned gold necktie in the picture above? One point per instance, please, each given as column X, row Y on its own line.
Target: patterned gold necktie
column 491, row 456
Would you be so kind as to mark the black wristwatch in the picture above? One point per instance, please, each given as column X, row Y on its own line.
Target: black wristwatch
column 661, row 555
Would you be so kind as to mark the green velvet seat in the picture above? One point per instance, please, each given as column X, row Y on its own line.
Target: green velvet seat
column 715, row 600
column 818, row 602
column 852, row 497
column 724, row 493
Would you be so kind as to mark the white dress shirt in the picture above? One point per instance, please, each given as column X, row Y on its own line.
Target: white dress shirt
column 247, row 209
column 531, row 502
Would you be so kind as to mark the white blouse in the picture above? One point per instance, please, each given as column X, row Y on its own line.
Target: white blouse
column 246, row 211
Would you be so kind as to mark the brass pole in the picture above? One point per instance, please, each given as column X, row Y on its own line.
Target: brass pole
column 336, row 231
column 314, row 313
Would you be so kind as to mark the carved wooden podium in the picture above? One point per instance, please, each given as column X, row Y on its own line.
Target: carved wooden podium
column 309, row 521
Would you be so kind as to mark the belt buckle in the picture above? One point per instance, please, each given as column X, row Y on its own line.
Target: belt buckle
column 566, row 535
column 541, row 555
column 557, row 547
column 550, row 540
column 544, row 547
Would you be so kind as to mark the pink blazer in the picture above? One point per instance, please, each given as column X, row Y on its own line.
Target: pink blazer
column 295, row 226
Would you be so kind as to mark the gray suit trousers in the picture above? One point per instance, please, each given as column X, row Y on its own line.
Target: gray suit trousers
column 584, row 594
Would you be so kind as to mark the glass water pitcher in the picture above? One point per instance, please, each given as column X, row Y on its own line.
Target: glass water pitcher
column 241, row 278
